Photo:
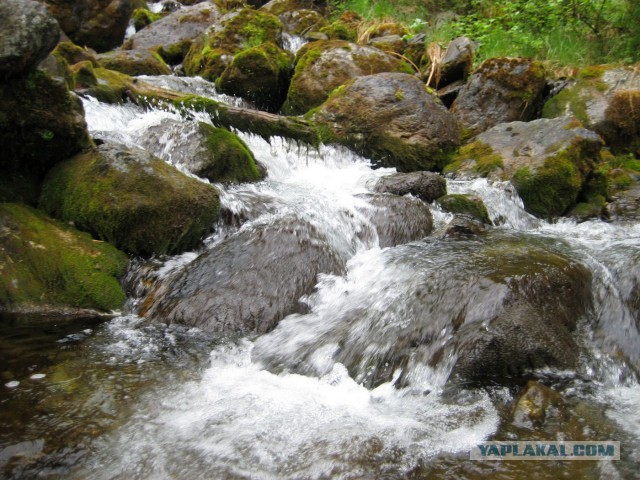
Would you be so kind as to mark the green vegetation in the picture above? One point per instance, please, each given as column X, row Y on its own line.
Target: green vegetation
column 564, row 32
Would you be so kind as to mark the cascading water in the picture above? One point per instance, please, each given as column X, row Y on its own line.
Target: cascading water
column 355, row 387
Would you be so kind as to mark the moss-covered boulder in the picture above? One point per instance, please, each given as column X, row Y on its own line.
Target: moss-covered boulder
column 98, row 24
column 29, row 33
column 606, row 100
column 72, row 53
column 323, row 66
column 134, row 62
column 344, row 28
column 212, row 153
column 471, row 205
column 551, row 162
column 390, row 118
column 261, row 75
column 278, row 7
column 173, row 35
column 237, row 31
column 41, row 123
column 500, row 90
column 297, row 16
column 131, row 199
column 47, row 265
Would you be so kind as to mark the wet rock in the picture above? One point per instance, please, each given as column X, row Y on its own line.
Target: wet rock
column 464, row 226
column 72, row 53
column 28, row 34
column 390, row 118
column 550, row 162
column 426, row 186
column 626, row 204
column 471, row 205
column 604, row 99
column 98, row 24
column 41, row 123
column 500, row 90
column 131, row 199
column 247, row 283
column 173, row 35
column 535, row 403
column 47, row 265
column 134, row 62
column 261, row 75
column 323, row 66
column 212, row 153
column 397, row 219
column 142, row 17
column 235, row 32
column 457, row 61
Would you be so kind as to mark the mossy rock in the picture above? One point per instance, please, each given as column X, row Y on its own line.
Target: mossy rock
column 323, row 66
column 344, row 28
column 605, row 99
column 260, row 75
column 209, row 152
column 46, row 265
column 237, row 31
column 134, row 62
column 390, row 118
column 131, row 199
column 466, row 205
column 72, row 53
column 278, row 7
column 299, row 22
column 142, row 17
column 500, row 90
column 41, row 123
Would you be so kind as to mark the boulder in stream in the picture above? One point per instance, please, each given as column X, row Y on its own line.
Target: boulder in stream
column 247, row 283
column 323, row 66
column 427, row 186
column 390, row 118
column 471, row 205
column 134, row 62
column 28, row 34
column 130, row 198
column 550, row 162
column 48, row 266
column 500, row 90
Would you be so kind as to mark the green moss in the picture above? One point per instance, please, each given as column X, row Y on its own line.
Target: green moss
column 47, row 263
column 83, row 75
column 133, row 200
column 485, row 159
column 234, row 162
column 111, row 86
column 571, row 100
column 552, row 188
column 133, row 62
column 72, row 53
column 465, row 205
column 142, row 17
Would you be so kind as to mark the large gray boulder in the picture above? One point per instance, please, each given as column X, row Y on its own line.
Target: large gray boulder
column 390, row 118
column 550, row 162
column 173, row 35
column 247, row 283
column 27, row 35
column 500, row 90
column 323, row 66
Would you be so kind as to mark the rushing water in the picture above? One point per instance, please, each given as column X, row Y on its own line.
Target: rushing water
column 316, row 397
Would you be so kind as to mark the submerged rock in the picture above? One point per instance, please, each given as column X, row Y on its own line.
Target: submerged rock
column 212, row 153
column 173, row 35
column 398, row 219
column 606, row 100
column 28, row 34
column 324, row 66
column 99, row 24
column 390, row 118
column 46, row 265
column 550, row 162
column 535, row 403
column 131, row 199
column 500, row 90
column 247, row 283
column 427, row 186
